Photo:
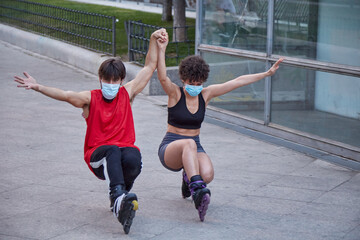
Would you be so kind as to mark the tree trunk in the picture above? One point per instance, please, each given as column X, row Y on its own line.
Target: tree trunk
column 179, row 21
column 167, row 11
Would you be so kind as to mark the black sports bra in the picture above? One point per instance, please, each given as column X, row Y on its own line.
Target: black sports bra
column 180, row 116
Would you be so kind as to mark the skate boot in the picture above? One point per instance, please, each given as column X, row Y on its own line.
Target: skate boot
column 124, row 210
column 185, row 186
column 200, row 195
column 115, row 192
column 124, row 207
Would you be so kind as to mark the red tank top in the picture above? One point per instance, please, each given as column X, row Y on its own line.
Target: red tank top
column 109, row 123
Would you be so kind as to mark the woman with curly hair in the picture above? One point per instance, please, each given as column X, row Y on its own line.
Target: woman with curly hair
column 180, row 149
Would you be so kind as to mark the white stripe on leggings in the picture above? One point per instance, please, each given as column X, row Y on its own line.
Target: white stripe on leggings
column 104, row 164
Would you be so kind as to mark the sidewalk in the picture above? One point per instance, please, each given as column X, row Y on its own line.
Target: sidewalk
column 139, row 6
column 260, row 191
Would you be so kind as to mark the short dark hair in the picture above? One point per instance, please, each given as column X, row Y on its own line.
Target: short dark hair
column 112, row 69
column 194, row 68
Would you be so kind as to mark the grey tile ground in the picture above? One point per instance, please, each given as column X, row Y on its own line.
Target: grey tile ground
column 260, row 191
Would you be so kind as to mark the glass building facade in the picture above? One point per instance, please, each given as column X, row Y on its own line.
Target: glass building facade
column 314, row 98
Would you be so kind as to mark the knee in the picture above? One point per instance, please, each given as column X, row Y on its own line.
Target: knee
column 113, row 153
column 133, row 170
column 132, row 165
column 113, row 150
column 190, row 145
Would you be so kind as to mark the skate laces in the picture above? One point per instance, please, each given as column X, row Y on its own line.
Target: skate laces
column 117, row 205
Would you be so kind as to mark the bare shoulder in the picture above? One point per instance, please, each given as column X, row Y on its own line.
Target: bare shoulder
column 86, row 95
column 206, row 93
column 175, row 95
column 129, row 87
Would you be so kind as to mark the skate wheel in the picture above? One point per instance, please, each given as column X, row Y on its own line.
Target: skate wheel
column 128, row 221
column 135, row 205
column 203, row 207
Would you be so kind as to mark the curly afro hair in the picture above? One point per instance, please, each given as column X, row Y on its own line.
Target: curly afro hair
column 194, row 68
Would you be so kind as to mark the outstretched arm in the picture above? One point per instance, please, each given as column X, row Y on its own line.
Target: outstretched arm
column 135, row 86
column 77, row 99
column 220, row 89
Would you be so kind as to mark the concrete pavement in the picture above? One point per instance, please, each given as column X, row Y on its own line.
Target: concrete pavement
column 260, row 191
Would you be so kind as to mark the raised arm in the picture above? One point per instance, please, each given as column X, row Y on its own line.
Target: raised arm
column 220, row 89
column 136, row 85
column 77, row 99
column 168, row 86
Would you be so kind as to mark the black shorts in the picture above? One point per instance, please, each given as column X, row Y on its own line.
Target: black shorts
column 170, row 137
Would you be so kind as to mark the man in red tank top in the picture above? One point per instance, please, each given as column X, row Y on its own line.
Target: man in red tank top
column 109, row 149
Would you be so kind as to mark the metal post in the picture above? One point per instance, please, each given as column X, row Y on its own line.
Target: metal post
column 269, row 46
column 129, row 40
column 113, row 36
column 198, row 28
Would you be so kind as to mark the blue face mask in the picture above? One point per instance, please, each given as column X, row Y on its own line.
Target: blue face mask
column 109, row 91
column 193, row 90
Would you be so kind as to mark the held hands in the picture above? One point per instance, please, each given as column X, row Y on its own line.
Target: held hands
column 28, row 83
column 160, row 35
column 274, row 67
column 163, row 39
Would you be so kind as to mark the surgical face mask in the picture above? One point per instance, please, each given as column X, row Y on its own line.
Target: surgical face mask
column 193, row 90
column 109, row 91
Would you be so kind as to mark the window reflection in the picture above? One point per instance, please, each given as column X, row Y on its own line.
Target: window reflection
column 235, row 23
column 323, row 30
column 318, row 29
column 247, row 100
column 316, row 102
column 323, row 104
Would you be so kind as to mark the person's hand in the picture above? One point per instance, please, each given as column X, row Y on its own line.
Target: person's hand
column 28, row 83
column 274, row 67
column 161, row 34
column 163, row 41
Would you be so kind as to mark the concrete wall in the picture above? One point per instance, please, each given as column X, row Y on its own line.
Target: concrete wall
column 75, row 56
column 154, row 86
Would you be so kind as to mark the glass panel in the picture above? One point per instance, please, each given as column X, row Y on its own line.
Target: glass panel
column 247, row 100
column 321, row 30
column 324, row 104
column 235, row 23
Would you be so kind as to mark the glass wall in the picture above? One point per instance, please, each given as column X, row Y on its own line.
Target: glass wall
column 321, row 30
column 318, row 29
column 237, row 24
column 248, row 100
column 302, row 100
column 321, row 98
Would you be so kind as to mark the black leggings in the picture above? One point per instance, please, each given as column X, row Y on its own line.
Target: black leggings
column 123, row 165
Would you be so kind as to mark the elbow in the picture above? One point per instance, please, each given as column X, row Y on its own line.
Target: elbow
column 162, row 80
column 150, row 65
column 161, row 76
column 77, row 104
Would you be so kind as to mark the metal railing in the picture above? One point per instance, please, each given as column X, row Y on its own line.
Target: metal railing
column 139, row 35
column 88, row 30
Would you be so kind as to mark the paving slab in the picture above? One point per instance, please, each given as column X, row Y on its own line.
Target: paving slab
column 260, row 191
